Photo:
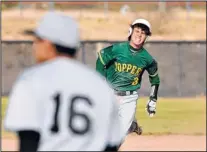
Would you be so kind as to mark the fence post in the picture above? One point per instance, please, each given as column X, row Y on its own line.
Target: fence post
column 188, row 8
column 162, row 5
column 83, row 52
column 20, row 5
column 179, row 89
column 51, row 6
column 106, row 7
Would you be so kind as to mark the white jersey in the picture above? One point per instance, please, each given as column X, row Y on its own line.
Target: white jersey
column 68, row 104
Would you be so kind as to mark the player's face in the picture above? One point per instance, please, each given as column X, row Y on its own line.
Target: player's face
column 138, row 36
column 42, row 50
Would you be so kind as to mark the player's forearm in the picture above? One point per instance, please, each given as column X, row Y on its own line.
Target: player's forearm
column 154, row 92
column 155, row 82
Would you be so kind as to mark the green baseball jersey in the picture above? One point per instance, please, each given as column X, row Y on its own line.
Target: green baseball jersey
column 123, row 66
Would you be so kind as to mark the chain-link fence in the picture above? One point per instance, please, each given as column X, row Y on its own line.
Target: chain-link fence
column 97, row 19
column 122, row 7
column 107, row 6
column 182, row 65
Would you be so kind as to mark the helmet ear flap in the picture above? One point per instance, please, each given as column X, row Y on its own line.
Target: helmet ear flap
column 146, row 39
column 130, row 31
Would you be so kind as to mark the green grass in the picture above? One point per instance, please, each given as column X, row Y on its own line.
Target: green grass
column 3, row 106
column 174, row 116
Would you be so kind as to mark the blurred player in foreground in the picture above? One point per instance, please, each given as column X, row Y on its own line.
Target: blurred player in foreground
column 55, row 105
column 123, row 65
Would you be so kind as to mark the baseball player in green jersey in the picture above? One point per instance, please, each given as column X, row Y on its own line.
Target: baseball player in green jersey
column 123, row 64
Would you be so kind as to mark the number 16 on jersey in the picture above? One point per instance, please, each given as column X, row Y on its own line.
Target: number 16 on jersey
column 73, row 114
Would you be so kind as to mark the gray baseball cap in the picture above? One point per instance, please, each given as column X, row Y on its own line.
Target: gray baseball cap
column 59, row 29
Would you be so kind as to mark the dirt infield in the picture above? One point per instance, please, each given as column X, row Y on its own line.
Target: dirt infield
column 164, row 143
column 145, row 143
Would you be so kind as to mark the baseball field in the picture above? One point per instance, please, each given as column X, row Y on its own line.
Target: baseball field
column 180, row 124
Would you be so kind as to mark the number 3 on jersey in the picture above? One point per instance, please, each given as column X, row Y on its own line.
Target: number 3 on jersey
column 135, row 81
column 73, row 114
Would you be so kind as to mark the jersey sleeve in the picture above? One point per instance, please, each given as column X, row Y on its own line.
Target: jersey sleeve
column 100, row 67
column 23, row 111
column 152, row 70
column 104, row 57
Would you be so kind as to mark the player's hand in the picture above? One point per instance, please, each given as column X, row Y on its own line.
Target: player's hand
column 151, row 107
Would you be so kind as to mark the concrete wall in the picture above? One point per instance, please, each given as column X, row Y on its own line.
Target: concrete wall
column 182, row 65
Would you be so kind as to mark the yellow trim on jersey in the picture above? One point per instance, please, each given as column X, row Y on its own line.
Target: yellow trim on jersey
column 156, row 73
column 100, row 57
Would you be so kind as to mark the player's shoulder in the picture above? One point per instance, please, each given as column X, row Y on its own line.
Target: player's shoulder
column 146, row 52
column 148, row 56
column 106, row 51
column 26, row 77
column 120, row 45
column 36, row 71
column 28, row 73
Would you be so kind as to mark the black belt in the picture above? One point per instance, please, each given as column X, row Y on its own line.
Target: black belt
column 125, row 93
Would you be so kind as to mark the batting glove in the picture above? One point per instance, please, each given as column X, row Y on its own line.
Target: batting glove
column 151, row 107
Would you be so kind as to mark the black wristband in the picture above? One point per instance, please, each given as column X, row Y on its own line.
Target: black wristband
column 154, row 91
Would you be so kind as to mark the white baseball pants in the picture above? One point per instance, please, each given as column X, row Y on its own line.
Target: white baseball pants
column 127, row 110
